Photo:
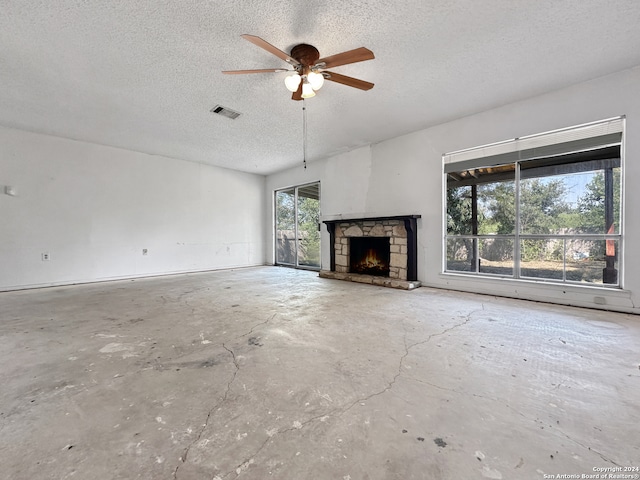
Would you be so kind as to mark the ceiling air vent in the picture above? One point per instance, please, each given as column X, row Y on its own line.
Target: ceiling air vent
column 225, row 112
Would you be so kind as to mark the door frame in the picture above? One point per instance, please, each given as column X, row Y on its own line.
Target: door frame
column 295, row 216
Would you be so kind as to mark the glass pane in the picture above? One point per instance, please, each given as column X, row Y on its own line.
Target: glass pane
column 592, row 261
column 497, row 208
column 459, row 220
column 576, row 202
column 285, row 227
column 599, row 202
column 460, row 255
column 544, row 205
column 496, row 256
column 309, row 225
column 542, row 258
column 493, row 191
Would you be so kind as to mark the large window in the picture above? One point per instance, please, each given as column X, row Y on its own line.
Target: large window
column 546, row 207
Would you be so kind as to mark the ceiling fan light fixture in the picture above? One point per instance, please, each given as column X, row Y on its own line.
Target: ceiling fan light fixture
column 307, row 62
column 316, row 80
column 292, row 82
column 307, row 90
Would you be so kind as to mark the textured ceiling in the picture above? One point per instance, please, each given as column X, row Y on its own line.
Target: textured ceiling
column 144, row 74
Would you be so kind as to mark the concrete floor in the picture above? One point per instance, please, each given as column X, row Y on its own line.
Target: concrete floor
column 276, row 373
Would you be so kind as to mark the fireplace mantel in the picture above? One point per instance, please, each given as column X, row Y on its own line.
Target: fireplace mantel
column 402, row 233
column 347, row 218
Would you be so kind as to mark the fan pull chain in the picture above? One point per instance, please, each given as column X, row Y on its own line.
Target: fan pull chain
column 304, row 134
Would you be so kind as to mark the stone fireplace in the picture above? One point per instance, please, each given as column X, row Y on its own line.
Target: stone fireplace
column 376, row 250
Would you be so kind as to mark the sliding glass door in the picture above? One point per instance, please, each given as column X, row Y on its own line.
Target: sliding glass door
column 297, row 224
column 286, row 249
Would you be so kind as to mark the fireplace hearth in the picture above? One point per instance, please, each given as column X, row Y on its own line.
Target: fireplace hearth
column 377, row 250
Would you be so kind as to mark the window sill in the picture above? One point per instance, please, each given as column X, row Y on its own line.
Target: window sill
column 607, row 298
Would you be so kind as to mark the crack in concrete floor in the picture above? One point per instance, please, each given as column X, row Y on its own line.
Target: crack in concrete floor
column 341, row 411
column 183, row 458
column 185, row 454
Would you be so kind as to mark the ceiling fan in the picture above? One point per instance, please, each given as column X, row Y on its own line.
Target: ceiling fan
column 310, row 71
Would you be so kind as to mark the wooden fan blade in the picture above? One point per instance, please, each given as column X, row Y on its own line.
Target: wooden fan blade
column 261, row 70
column 352, row 56
column 350, row 81
column 297, row 95
column 269, row 48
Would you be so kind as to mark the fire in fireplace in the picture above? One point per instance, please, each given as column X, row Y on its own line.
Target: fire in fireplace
column 369, row 256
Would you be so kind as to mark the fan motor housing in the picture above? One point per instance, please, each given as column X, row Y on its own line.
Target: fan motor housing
column 307, row 55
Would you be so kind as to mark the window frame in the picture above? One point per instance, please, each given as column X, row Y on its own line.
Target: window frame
column 604, row 132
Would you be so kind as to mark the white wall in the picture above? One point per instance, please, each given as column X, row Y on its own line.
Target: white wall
column 94, row 208
column 404, row 176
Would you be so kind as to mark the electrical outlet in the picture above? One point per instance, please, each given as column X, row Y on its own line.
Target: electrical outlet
column 46, row 257
column 144, row 251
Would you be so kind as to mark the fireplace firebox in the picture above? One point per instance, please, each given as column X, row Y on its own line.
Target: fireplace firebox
column 369, row 256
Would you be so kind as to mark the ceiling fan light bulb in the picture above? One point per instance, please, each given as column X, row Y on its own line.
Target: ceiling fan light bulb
column 292, row 82
column 316, row 80
column 307, row 91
